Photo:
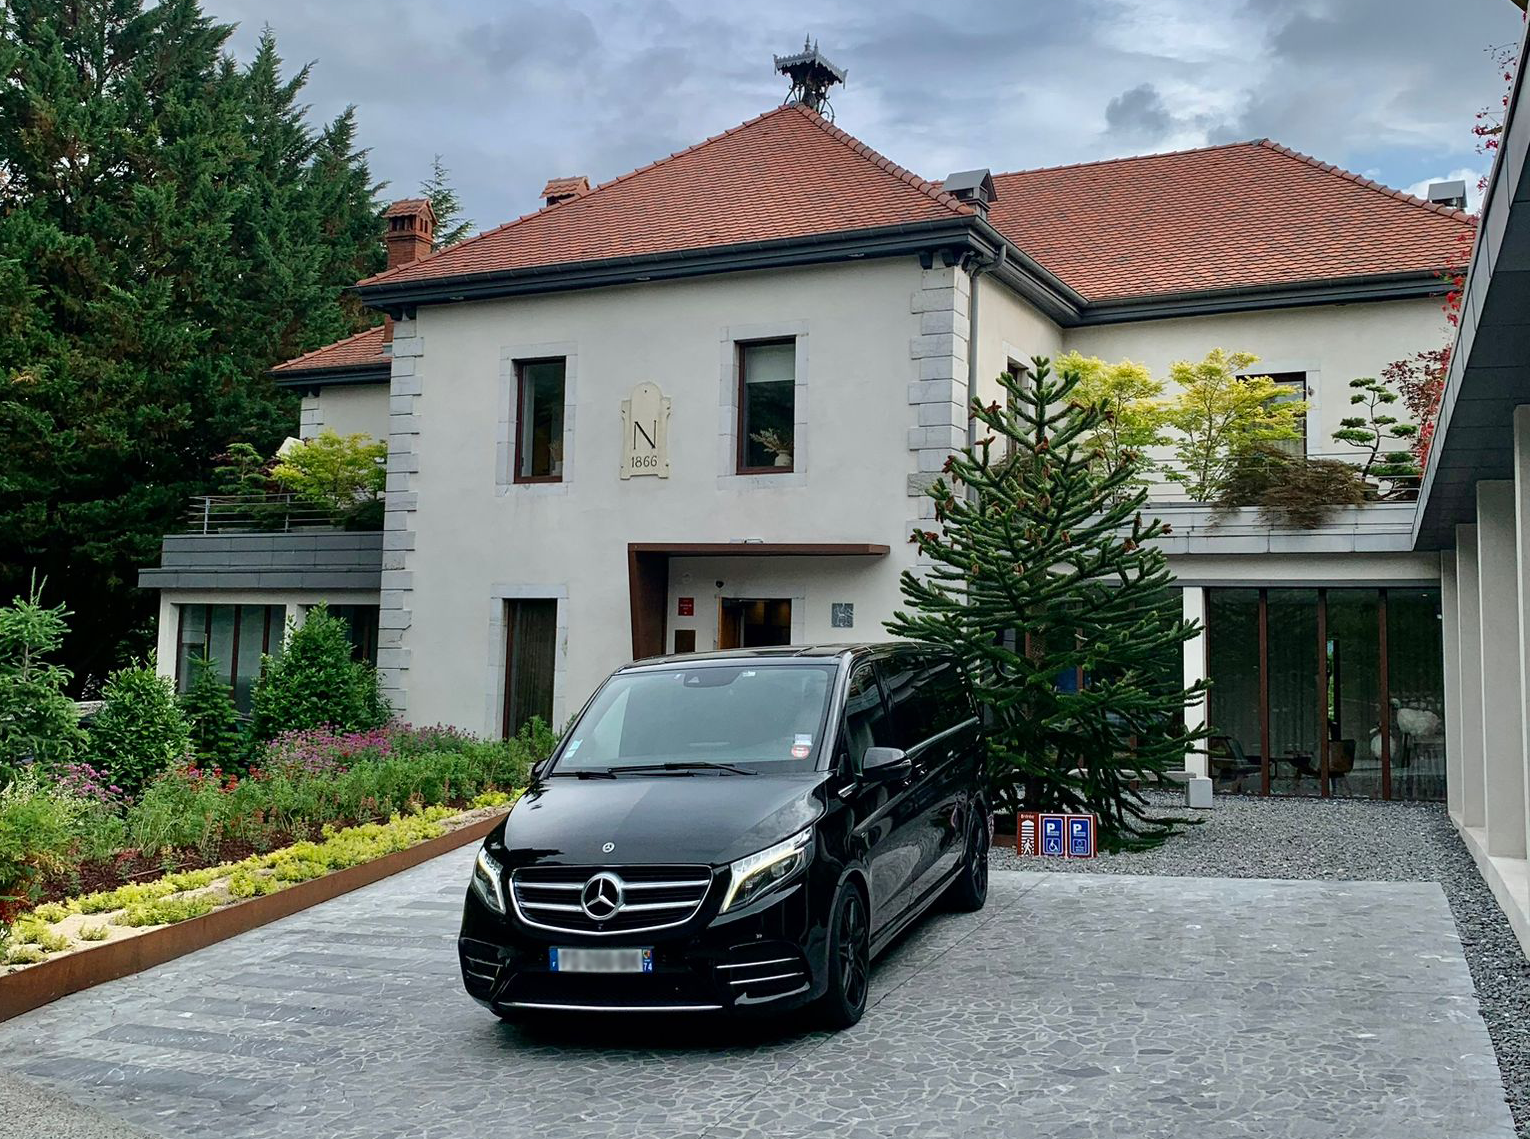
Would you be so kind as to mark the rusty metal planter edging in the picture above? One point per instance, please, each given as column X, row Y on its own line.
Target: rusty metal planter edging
column 47, row 981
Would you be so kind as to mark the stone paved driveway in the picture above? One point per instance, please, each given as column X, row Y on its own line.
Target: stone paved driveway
column 1072, row 1006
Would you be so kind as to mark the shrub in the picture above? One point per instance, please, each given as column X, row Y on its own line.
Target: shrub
column 183, row 806
column 343, row 474
column 250, row 884
column 212, row 718
column 50, row 912
column 38, row 721
column 315, row 683
column 36, row 832
column 165, row 911
column 1290, row 490
column 139, row 730
column 25, row 955
column 92, row 932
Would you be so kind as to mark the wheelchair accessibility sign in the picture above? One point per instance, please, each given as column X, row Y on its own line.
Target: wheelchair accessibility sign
column 1055, row 836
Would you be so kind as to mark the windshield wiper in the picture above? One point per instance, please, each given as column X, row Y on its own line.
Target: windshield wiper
column 587, row 773
column 685, row 767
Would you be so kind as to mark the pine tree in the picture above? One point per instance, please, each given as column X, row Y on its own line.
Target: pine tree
column 1049, row 583
column 170, row 227
column 214, row 721
column 451, row 226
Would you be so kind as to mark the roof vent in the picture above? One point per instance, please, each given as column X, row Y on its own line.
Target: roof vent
column 562, row 189
column 1452, row 194
column 975, row 187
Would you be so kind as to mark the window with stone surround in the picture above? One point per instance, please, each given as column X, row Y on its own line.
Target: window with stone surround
column 767, row 384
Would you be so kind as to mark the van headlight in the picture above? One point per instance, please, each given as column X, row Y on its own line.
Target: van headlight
column 752, row 876
column 487, row 878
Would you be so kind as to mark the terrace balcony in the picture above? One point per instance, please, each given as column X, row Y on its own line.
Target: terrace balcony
column 273, row 541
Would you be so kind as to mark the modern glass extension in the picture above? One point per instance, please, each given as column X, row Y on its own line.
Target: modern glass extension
column 1332, row 692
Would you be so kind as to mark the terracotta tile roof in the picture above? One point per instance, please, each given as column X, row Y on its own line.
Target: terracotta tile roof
column 1223, row 217
column 564, row 187
column 409, row 206
column 358, row 351
column 787, row 173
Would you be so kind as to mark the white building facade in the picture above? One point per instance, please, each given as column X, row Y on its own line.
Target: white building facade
column 698, row 407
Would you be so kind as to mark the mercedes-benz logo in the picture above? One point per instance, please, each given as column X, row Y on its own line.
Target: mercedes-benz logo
column 601, row 896
column 608, row 848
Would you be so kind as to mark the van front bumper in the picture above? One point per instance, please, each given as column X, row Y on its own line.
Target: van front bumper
column 769, row 957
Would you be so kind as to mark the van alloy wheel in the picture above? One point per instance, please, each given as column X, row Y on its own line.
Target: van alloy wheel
column 853, row 952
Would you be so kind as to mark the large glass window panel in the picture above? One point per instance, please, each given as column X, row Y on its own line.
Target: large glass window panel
column 767, row 405
column 1353, row 648
column 1291, row 630
column 1416, row 684
column 193, row 643
column 252, row 634
column 1232, row 650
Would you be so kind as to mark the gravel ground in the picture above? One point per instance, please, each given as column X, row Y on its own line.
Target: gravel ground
column 1355, row 840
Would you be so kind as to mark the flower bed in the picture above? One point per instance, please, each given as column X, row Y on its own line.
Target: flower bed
column 69, row 833
column 54, row 929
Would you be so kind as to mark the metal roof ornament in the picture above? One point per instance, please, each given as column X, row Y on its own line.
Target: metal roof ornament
column 812, row 75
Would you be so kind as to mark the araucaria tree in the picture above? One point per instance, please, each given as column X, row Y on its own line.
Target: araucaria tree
column 1047, row 580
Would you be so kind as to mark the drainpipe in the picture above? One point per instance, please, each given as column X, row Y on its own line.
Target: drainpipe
column 979, row 266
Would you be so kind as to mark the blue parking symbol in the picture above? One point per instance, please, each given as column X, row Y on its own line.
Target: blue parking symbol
column 1052, row 836
column 1080, row 836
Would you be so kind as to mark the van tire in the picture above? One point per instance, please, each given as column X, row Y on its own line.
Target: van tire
column 849, row 967
column 969, row 892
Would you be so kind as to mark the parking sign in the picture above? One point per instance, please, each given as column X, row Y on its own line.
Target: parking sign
column 1080, row 836
column 1052, row 836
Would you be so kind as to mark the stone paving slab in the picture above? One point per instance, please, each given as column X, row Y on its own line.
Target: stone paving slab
column 1072, row 1006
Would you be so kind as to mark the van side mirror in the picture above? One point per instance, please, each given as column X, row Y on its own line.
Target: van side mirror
column 885, row 764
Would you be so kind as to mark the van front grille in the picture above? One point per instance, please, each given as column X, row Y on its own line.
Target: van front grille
column 651, row 897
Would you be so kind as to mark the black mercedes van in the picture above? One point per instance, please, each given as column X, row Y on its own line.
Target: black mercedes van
column 736, row 831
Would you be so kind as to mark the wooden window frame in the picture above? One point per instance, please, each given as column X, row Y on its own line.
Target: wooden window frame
column 520, row 418
column 741, row 417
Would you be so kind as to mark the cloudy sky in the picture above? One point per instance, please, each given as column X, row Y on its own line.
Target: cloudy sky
column 512, row 92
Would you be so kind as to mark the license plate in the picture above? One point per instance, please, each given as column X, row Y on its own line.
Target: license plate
column 574, row 960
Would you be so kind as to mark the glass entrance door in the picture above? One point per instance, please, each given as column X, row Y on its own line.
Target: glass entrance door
column 1332, row 691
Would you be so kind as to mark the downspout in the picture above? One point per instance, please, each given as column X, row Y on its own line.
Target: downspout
column 980, row 265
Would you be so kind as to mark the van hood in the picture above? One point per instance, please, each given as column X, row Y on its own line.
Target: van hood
column 701, row 818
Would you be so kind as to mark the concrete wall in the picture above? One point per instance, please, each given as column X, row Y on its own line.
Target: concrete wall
column 346, row 409
column 462, row 537
column 1009, row 329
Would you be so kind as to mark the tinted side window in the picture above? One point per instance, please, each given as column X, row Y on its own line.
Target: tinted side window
column 928, row 695
column 865, row 717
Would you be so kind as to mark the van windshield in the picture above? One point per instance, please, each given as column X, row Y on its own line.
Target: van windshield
column 761, row 718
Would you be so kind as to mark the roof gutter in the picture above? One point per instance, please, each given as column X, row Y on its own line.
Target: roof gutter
column 330, row 377
column 1337, row 290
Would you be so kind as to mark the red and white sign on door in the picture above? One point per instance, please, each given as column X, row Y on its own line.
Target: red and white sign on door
column 687, row 607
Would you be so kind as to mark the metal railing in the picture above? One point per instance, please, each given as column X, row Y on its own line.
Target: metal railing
column 255, row 513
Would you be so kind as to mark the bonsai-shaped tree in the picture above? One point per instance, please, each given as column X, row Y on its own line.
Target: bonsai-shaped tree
column 213, row 719
column 38, row 720
column 316, row 683
column 1133, row 410
column 1290, row 490
column 140, row 729
column 1049, row 584
column 343, row 474
column 1377, row 427
column 1220, row 412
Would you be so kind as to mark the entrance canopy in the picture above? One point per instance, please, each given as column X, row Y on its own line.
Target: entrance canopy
column 648, row 575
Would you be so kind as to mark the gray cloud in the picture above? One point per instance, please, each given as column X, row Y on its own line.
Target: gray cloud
column 514, row 93
column 1139, row 113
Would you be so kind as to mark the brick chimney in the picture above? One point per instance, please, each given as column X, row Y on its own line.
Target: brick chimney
column 411, row 230
column 562, row 189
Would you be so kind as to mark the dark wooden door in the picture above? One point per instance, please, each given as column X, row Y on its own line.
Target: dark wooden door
column 531, row 640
